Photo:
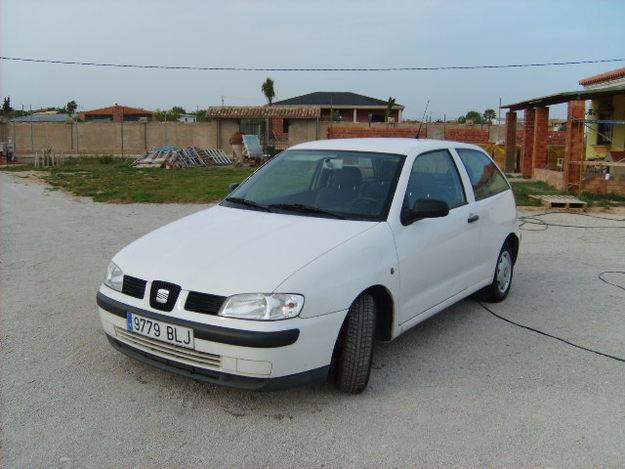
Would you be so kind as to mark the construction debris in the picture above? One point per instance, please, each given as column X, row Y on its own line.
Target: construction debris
column 176, row 157
column 48, row 158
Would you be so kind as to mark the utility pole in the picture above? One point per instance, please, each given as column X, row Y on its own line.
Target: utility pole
column 32, row 136
column 122, row 131
column 222, row 99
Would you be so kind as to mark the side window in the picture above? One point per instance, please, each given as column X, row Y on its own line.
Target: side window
column 434, row 176
column 485, row 177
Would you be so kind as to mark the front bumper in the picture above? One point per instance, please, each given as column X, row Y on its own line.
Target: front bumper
column 225, row 379
column 264, row 355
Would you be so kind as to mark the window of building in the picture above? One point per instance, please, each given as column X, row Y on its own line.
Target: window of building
column 604, row 131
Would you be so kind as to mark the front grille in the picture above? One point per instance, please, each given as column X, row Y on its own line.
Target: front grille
column 204, row 302
column 166, row 292
column 180, row 354
column 133, row 286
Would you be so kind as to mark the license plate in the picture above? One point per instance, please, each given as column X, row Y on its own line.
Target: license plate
column 159, row 330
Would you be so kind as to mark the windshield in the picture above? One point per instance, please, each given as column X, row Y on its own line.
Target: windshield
column 325, row 183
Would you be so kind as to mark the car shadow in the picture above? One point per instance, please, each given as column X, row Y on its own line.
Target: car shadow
column 407, row 361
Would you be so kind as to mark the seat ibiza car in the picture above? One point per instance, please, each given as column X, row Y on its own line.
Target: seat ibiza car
column 325, row 249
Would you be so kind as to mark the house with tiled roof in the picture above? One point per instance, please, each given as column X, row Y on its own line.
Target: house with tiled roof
column 605, row 116
column 116, row 113
column 345, row 106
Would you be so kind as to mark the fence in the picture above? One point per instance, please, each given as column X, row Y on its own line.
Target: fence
column 134, row 138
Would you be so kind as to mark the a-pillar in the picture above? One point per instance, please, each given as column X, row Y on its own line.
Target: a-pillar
column 510, row 141
column 528, row 142
column 574, row 145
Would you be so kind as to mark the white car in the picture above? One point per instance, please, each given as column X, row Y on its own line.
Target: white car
column 324, row 249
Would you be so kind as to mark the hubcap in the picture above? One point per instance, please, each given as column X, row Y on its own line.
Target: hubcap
column 504, row 271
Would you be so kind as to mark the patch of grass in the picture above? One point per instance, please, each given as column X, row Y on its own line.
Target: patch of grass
column 603, row 200
column 107, row 180
column 522, row 191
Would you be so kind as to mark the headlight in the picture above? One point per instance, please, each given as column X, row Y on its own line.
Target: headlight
column 114, row 277
column 264, row 307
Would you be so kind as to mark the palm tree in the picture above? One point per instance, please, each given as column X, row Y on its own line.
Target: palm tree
column 268, row 90
column 390, row 104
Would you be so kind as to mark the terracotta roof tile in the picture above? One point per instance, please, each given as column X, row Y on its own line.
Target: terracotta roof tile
column 109, row 111
column 607, row 76
column 261, row 112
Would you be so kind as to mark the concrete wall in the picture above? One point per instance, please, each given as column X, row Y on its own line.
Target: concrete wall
column 304, row 131
column 106, row 137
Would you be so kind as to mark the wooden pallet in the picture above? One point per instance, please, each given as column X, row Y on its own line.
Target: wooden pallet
column 559, row 201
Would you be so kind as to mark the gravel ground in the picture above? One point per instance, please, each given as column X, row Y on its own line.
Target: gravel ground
column 462, row 389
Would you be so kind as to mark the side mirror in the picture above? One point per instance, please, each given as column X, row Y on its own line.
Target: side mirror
column 233, row 186
column 426, row 208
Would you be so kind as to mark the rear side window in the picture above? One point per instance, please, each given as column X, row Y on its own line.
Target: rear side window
column 485, row 177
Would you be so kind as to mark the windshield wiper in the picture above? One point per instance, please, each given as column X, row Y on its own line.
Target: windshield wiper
column 306, row 209
column 247, row 203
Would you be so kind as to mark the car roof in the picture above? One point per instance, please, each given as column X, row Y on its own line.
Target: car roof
column 401, row 146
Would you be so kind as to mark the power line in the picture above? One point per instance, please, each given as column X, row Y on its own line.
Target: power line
column 310, row 69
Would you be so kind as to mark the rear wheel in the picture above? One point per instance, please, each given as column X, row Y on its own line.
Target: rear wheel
column 502, row 280
column 355, row 346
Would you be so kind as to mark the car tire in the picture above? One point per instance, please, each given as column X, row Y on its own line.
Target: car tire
column 502, row 279
column 355, row 346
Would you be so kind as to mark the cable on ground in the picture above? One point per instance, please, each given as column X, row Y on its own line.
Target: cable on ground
column 551, row 336
column 543, row 225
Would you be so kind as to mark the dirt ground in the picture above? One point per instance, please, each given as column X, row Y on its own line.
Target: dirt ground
column 462, row 389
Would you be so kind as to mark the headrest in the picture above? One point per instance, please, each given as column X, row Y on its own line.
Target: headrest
column 347, row 177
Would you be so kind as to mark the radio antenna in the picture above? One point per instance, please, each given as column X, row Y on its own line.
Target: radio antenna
column 427, row 103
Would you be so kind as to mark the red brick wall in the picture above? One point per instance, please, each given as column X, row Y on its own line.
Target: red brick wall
column 554, row 178
column 374, row 132
column 277, row 127
column 510, row 157
column 598, row 184
column 528, row 142
column 467, row 135
column 574, row 145
column 541, row 129
column 554, row 137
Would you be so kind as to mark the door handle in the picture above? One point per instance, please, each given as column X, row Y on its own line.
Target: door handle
column 472, row 218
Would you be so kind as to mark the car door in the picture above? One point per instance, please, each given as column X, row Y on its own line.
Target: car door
column 494, row 205
column 436, row 255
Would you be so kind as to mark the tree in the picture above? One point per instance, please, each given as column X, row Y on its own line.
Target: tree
column 474, row 116
column 71, row 107
column 489, row 115
column 170, row 115
column 6, row 106
column 200, row 115
column 462, row 120
column 268, row 90
column 390, row 104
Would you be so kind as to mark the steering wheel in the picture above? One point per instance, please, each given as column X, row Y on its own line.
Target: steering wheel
column 366, row 205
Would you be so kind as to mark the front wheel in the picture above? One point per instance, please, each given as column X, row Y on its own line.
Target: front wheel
column 502, row 280
column 355, row 346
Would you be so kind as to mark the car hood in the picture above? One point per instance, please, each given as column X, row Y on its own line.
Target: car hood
column 225, row 250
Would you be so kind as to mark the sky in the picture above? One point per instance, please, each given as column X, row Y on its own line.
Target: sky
column 288, row 33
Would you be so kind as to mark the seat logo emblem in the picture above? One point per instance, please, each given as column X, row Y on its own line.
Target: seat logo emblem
column 162, row 295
